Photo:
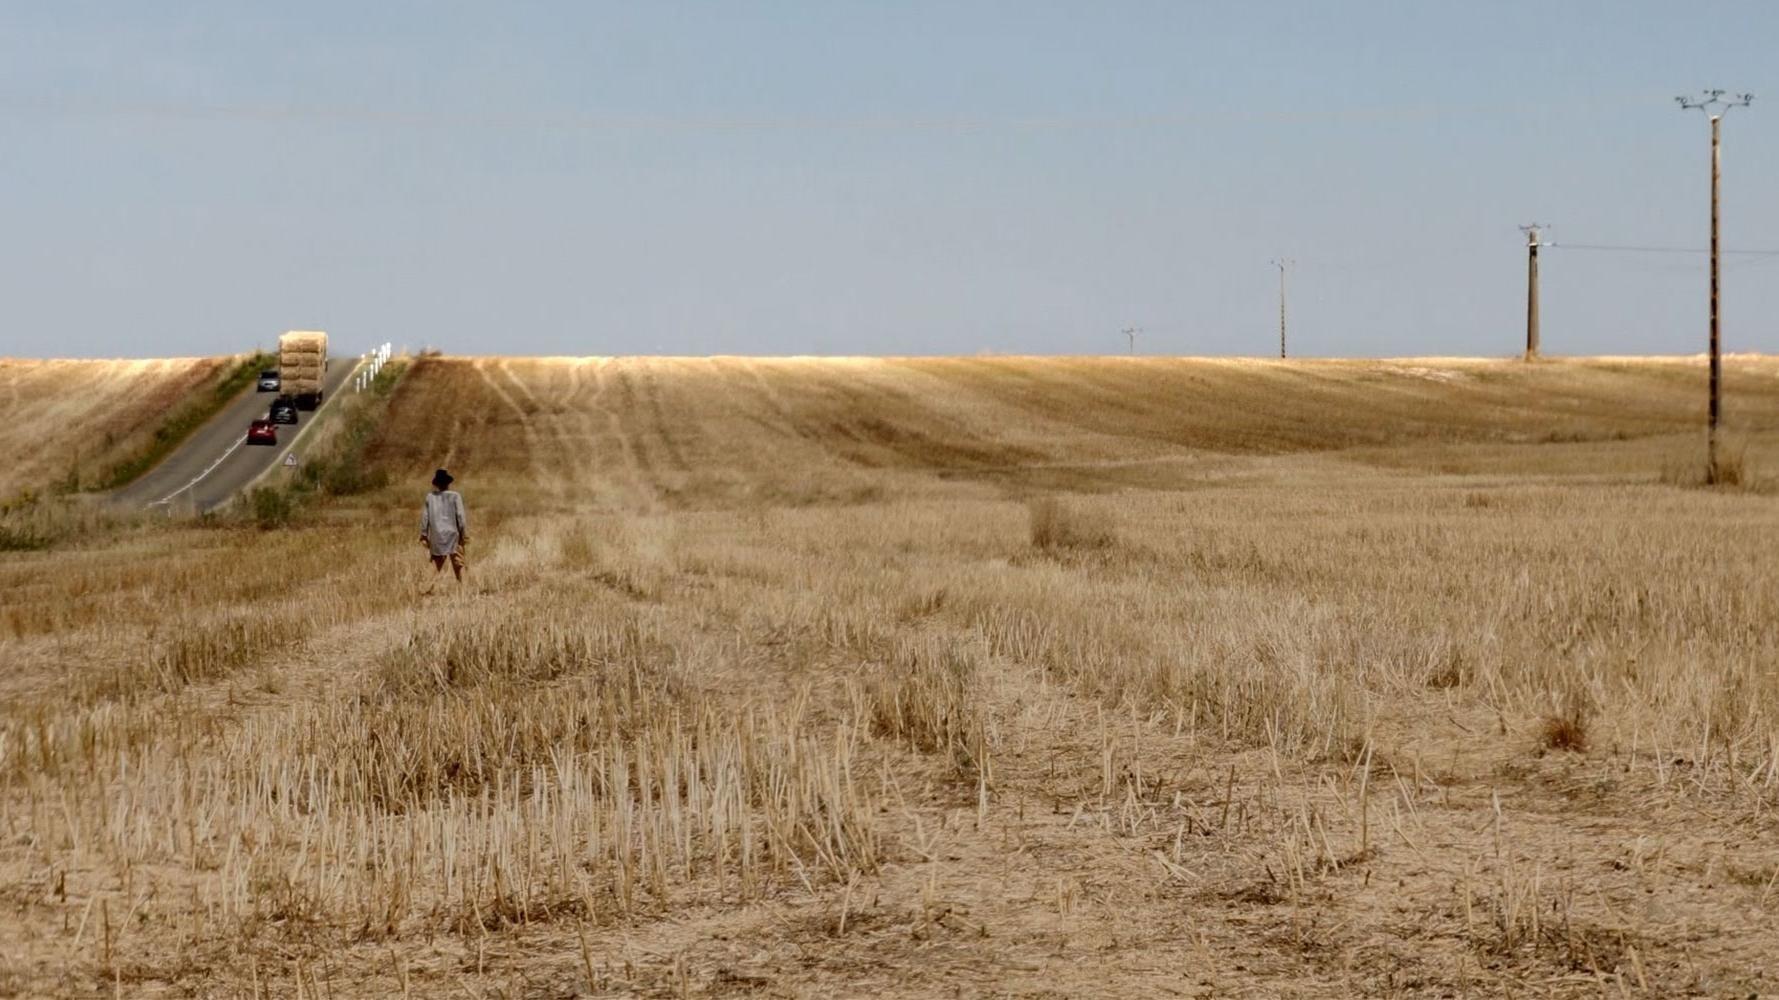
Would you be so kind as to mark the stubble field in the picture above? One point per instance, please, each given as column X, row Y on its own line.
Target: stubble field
column 65, row 420
column 950, row 677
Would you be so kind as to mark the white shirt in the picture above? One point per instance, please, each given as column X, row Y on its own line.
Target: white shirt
column 443, row 521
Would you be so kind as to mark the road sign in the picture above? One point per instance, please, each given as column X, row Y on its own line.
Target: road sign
column 290, row 460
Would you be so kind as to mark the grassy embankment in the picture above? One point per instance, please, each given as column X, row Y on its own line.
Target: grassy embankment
column 73, row 426
column 63, row 422
column 182, row 421
column 336, row 465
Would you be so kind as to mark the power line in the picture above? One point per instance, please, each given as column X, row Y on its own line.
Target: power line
column 59, row 106
column 1641, row 249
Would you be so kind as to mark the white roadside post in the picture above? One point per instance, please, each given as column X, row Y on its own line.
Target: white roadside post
column 373, row 365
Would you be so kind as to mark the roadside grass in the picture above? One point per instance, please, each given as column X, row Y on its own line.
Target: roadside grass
column 21, row 523
column 23, row 538
column 33, row 522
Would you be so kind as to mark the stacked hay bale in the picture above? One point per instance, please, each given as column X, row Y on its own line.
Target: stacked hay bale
column 302, row 364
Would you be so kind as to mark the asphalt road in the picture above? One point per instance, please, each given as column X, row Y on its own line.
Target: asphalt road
column 215, row 463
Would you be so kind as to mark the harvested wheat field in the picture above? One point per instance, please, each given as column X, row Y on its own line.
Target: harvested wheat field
column 63, row 421
column 987, row 677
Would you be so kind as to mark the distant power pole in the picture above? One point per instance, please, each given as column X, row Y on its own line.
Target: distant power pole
column 1131, row 332
column 1715, row 106
column 1532, row 244
column 1281, row 263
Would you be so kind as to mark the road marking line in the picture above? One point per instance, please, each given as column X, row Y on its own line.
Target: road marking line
column 302, row 428
column 200, row 476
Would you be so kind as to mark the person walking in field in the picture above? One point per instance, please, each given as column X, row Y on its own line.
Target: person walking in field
column 444, row 525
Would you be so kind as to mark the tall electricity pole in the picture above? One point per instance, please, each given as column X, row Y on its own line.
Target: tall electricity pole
column 1531, row 232
column 1715, row 106
column 1131, row 332
column 1281, row 263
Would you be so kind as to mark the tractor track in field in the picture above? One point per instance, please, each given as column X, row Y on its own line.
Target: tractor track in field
column 548, row 415
column 647, row 466
column 546, row 475
column 642, row 497
column 648, row 384
column 604, row 464
column 576, row 430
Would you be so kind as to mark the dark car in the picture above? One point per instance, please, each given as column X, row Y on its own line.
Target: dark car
column 262, row 432
column 283, row 411
column 269, row 381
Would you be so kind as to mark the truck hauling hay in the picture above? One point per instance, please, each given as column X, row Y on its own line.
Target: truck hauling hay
column 302, row 366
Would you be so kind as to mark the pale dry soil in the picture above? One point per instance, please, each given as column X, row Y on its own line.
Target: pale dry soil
column 985, row 677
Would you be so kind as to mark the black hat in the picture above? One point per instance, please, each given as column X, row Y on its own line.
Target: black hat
column 441, row 479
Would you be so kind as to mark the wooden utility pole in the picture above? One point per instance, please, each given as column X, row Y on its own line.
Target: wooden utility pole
column 1716, row 329
column 1281, row 263
column 1714, row 105
column 1531, row 232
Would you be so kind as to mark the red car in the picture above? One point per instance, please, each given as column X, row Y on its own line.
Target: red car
column 262, row 432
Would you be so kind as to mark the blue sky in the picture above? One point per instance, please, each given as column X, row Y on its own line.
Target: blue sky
column 837, row 177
